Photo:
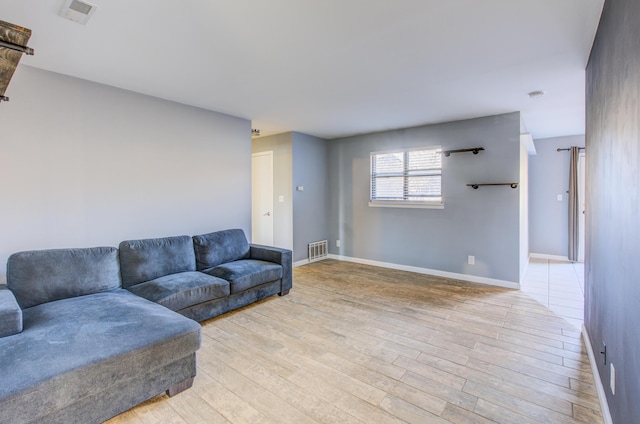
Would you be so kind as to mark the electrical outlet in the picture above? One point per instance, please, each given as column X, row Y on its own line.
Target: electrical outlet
column 337, row 243
column 612, row 380
column 471, row 260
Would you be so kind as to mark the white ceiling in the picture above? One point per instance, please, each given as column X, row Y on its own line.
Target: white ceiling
column 331, row 68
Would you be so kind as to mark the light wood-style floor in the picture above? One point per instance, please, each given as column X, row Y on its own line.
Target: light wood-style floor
column 358, row 344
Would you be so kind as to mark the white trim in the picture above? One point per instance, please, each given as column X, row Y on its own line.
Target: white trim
column 527, row 141
column 409, row 149
column 405, row 204
column 437, row 273
column 604, row 406
column 303, row 262
column 429, row 203
column 524, row 271
column 551, row 257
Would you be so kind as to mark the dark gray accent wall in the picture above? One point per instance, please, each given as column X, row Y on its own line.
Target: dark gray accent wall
column 310, row 167
column 548, row 177
column 483, row 222
column 612, row 297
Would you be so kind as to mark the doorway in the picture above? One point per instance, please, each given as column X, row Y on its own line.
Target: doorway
column 262, row 198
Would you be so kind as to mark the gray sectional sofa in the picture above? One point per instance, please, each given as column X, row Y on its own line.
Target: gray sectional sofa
column 86, row 334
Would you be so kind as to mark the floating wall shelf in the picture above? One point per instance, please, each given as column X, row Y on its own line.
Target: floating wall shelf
column 475, row 151
column 475, row 186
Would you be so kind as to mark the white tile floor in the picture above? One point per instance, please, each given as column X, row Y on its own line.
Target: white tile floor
column 558, row 285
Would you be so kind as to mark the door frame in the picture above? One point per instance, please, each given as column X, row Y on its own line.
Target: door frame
column 255, row 213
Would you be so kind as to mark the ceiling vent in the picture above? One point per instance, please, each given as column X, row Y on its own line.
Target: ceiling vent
column 77, row 11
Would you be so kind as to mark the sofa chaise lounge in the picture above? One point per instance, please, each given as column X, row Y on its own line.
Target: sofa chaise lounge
column 88, row 349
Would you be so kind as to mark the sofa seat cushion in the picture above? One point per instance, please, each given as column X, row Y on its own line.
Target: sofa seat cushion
column 179, row 291
column 246, row 273
column 78, row 347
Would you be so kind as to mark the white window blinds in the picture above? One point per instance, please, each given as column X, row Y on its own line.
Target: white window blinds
column 407, row 177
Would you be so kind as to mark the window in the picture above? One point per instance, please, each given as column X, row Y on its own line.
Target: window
column 407, row 178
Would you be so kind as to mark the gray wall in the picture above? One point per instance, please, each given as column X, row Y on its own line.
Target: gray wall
column 548, row 177
column 483, row 222
column 612, row 297
column 282, row 147
column 310, row 170
column 83, row 164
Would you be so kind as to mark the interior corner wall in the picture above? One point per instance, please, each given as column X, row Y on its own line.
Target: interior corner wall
column 612, row 289
column 483, row 222
column 548, row 178
column 310, row 206
column 524, row 210
column 282, row 147
column 84, row 164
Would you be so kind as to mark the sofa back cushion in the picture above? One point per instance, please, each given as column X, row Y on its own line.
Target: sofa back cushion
column 42, row 276
column 220, row 247
column 10, row 313
column 144, row 260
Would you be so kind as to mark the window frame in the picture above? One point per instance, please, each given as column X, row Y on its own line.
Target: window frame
column 436, row 203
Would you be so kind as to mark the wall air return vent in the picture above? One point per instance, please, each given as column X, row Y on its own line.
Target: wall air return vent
column 318, row 250
column 77, row 11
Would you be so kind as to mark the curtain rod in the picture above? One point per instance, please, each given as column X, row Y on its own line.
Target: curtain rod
column 568, row 148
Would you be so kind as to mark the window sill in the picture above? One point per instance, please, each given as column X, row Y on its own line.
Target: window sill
column 410, row 205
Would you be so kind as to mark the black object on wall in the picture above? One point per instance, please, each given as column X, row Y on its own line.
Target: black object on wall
column 474, row 150
column 612, row 296
column 13, row 43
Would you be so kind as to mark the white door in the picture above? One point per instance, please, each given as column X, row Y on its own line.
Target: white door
column 262, row 198
column 581, row 203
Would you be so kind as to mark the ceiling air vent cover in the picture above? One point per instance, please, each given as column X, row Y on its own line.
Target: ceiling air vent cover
column 77, row 11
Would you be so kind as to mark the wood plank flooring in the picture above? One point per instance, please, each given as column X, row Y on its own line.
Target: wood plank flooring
column 359, row 344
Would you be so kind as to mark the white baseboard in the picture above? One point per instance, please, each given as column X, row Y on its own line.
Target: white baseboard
column 301, row 262
column 523, row 272
column 427, row 271
column 604, row 406
column 307, row 261
column 551, row 257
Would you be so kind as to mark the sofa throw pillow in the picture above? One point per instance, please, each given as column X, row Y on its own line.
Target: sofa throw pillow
column 220, row 247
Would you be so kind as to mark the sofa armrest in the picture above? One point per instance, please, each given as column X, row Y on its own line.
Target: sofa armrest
column 10, row 313
column 277, row 255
